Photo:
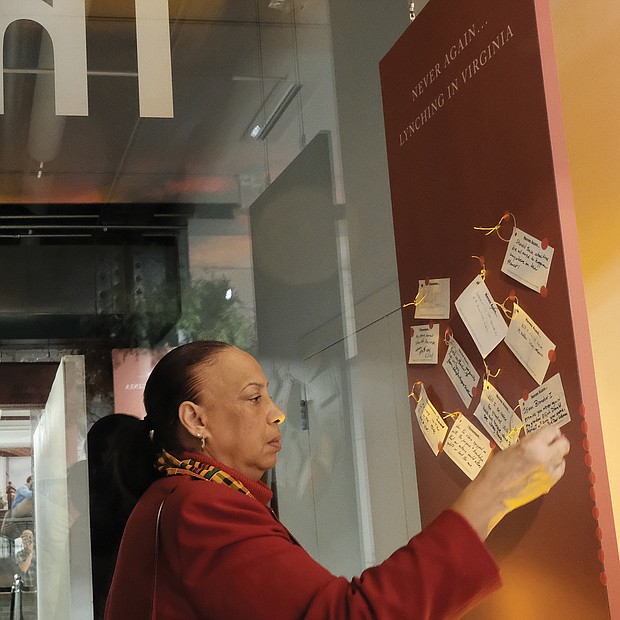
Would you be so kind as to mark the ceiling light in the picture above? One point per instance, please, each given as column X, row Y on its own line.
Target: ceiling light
column 259, row 130
column 280, row 5
column 255, row 131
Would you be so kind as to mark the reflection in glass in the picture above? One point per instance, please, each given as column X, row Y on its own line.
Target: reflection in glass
column 18, row 553
column 121, row 232
column 62, row 526
column 44, row 537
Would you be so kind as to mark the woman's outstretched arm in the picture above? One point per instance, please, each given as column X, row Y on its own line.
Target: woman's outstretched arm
column 514, row 477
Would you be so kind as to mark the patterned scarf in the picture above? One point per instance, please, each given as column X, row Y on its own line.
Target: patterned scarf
column 171, row 466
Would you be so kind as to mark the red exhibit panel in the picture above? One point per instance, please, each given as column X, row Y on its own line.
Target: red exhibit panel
column 493, row 309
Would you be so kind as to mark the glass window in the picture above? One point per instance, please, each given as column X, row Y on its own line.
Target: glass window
column 130, row 224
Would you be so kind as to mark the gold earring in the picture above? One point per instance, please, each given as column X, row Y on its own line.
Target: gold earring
column 202, row 441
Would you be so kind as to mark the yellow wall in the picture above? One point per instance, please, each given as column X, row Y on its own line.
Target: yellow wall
column 587, row 37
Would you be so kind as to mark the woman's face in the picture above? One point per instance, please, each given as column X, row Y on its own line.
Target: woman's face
column 240, row 419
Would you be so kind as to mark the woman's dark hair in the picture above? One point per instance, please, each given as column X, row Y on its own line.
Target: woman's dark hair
column 174, row 380
column 117, row 476
column 125, row 450
column 112, row 443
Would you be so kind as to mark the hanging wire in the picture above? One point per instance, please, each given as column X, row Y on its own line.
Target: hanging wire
column 261, row 69
column 174, row 41
column 302, row 130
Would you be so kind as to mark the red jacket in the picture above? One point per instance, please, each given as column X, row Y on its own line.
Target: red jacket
column 225, row 556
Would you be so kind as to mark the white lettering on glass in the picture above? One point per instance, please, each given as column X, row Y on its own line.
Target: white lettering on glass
column 154, row 62
column 65, row 22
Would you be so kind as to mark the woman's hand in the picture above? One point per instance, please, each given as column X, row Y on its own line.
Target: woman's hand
column 514, row 477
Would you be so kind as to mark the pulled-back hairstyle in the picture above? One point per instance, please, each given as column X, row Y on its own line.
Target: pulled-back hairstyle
column 174, row 380
column 122, row 450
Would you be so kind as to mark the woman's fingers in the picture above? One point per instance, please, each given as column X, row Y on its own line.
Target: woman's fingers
column 547, row 446
column 515, row 477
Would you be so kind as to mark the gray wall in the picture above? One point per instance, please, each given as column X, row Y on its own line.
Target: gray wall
column 300, row 346
column 328, row 314
column 361, row 35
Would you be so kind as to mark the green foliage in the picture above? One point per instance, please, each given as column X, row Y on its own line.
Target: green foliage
column 207, row 315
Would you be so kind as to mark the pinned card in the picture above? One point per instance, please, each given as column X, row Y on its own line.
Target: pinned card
column 460, row 371
column 497, row 417
column 434, row 299
column 481, row 316
column 424, row 344
column 545, row 406
column 528, row 260
column 467, row 447
column 431, row 424
column 529, row 344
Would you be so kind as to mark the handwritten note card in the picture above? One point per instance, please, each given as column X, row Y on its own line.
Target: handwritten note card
column 546, row 405
column 460, row 371
column 435, row 299
column 431, row 423
column 424, row 344
column 481, row 316
column 528, row 260
column 467, row 447
column 529, row 343
column 497, row 417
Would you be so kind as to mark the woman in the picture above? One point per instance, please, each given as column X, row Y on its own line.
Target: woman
column 201, row 542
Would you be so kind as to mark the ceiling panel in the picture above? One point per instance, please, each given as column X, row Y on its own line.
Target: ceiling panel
column 227, row 72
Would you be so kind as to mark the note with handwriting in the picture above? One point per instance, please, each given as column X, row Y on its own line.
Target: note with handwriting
column 434, row 296
column 460, row 371
column 529, row 344
column 431, row 423
column 497, row 417
column 424, row 344
column 481, row 316
column 528, row 260
column 468, row 447
column 545, row 406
